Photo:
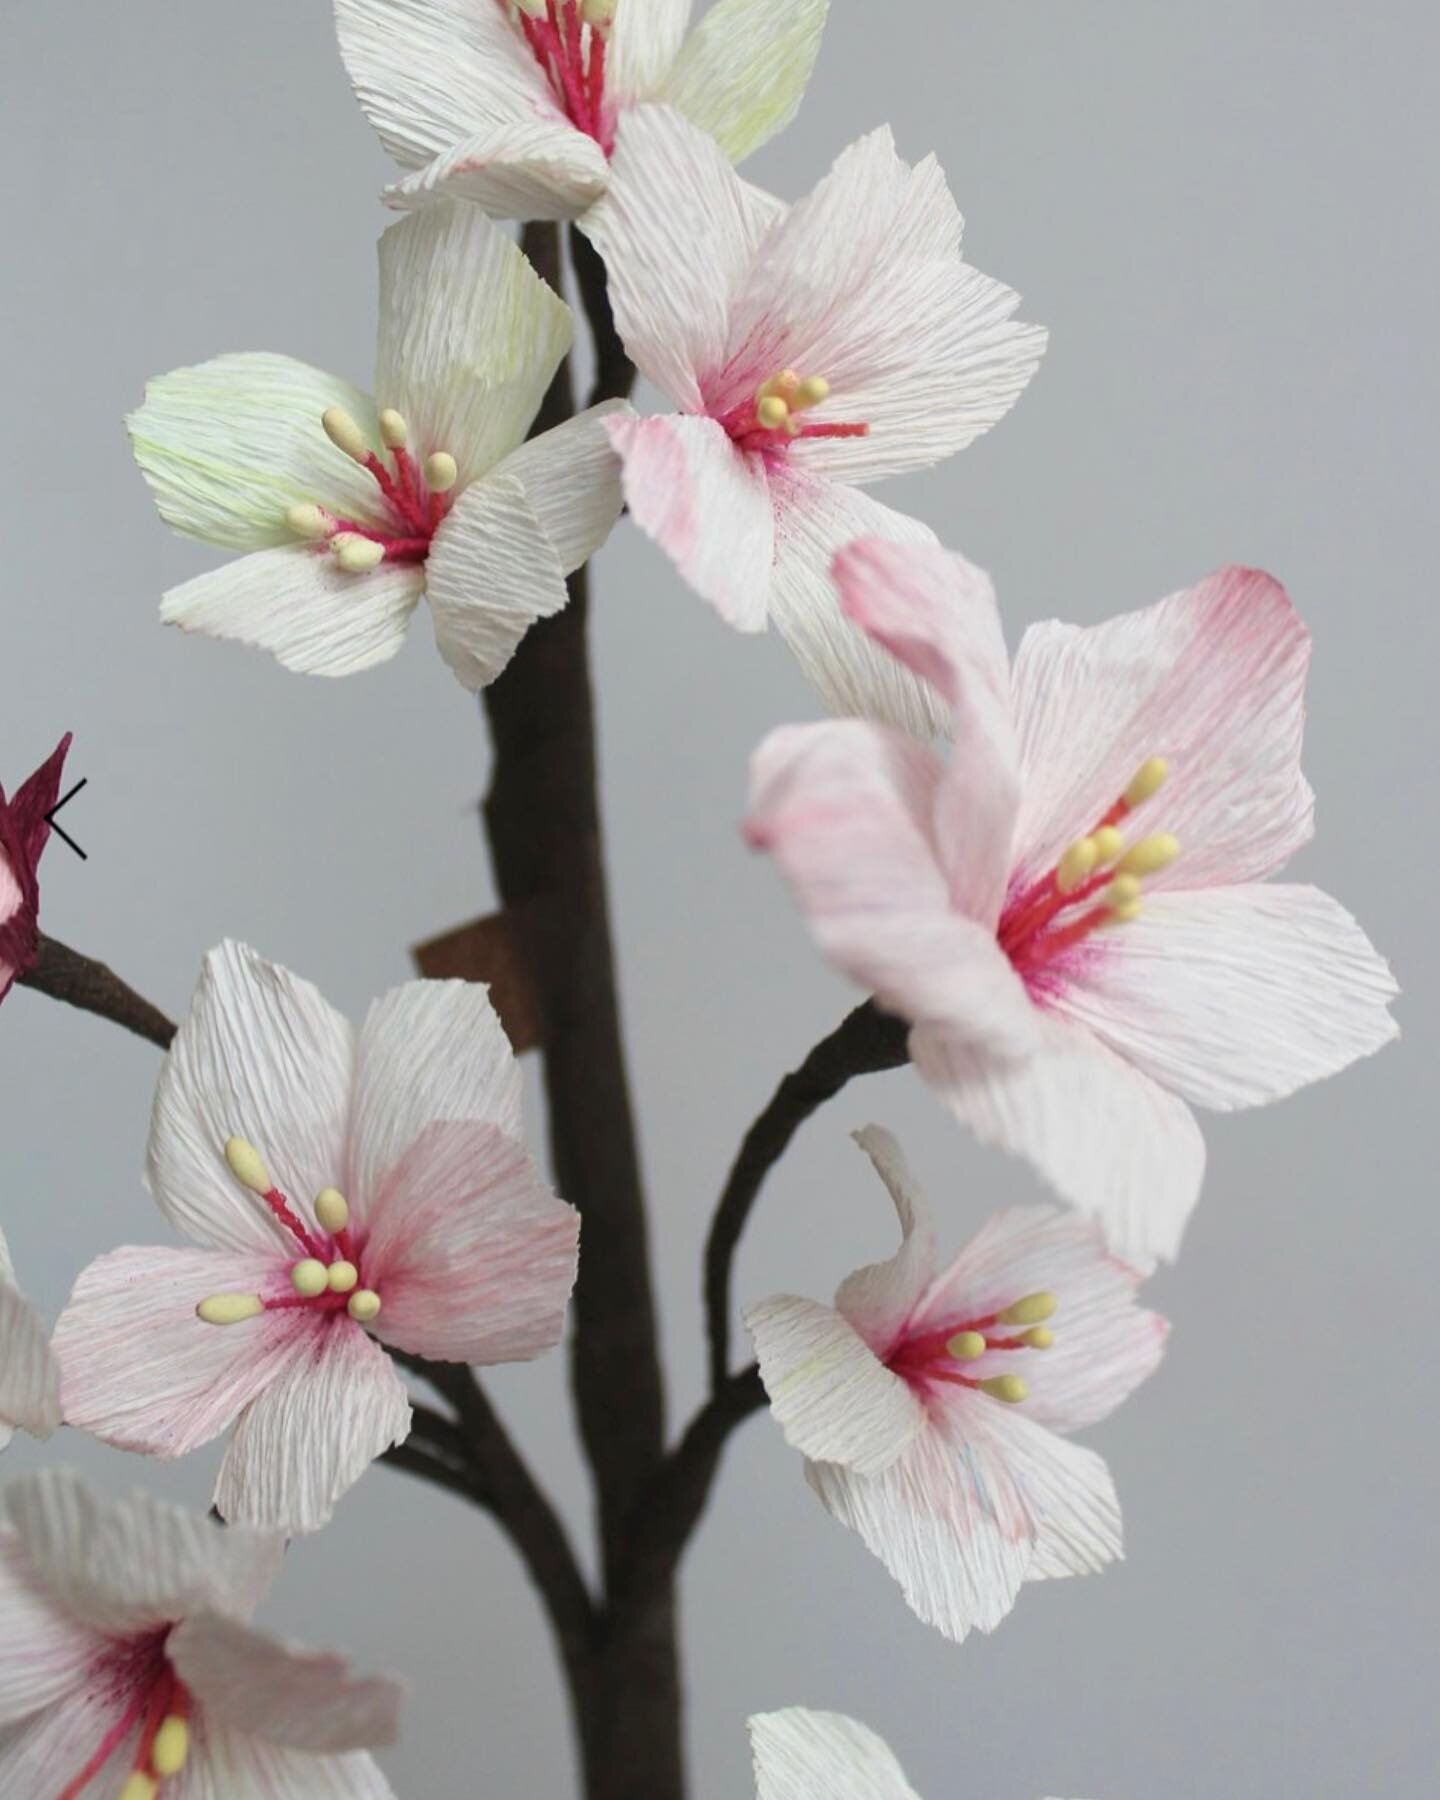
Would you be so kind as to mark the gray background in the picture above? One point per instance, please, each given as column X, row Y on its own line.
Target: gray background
column 1224, row 212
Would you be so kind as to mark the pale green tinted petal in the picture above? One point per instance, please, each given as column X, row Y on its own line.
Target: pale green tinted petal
column 744, row 69
column 229, row 446
column 469, row 335
column 644, row 42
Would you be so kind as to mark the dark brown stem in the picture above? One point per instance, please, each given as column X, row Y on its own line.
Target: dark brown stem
column 614, row 372
column 864, row 1043
column 64, row 974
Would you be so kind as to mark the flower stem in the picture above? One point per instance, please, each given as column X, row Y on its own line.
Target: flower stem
column 64, row 974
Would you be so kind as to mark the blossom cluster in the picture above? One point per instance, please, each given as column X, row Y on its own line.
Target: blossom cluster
column 1053, row 869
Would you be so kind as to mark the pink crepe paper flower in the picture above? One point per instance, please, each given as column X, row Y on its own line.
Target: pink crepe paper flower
column 800, row 1754
column 29, row 1372
column 809, row 349
column 128, row 1666
column 348, row 1190
column 929, row 1400
column 514, row 106
column 995, row 903
column 24, row 833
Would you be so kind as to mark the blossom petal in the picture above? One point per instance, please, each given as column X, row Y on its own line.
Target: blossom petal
column 743, row 70
column 313, row 1433
column 1108, row 1139
column 708, row 507
column 801, row 1755
column 305, row 1699
column 571, row 478
column 44, row 1654
column 27, row 818
column 469, row 335
column 878, row 1300
column 644, row 43
column 1073, row 1493
column 815, row 519
column 1236, row 996
column 225, row 1763
column 123, row 1566
column 261, row 1055
column 1105, row 1344
column 536, row 167
column 950, row 1522
column 866, row 287
column 53, row 1744
column 846, row 808
column 672, row 269
column 298, row 603
column 29, row 1371
column 492, row 573
column 143, row 1373
column 1212, row 679
column 472, row 1254
column 830, row 1394
column 229, row 446
column 937, row 614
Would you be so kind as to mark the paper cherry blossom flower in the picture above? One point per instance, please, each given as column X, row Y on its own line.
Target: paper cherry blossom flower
column 24, row 833
column 809, row 349
column 347, row 1190
column 129, row 1668
column 929, row 1402
column 1072, row 914
column 515, row 106
column 805, row 1755
column 352, row 509
column 29, row 1373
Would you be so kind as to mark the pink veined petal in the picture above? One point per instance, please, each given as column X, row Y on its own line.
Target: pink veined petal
column 51, row 1747
column 846, row 809
column 1105, row 1344
column 936, row 613
column 303, row 1443
column 473, row 1256
column 673, row 269
column 707, row 505
column 830, row 1394
column 949, row 1521
column 538, row 167
column 804, row 1755
column 306, row 1699
column 29, row 1372
column 814, row 519
column 44, row 1653
column 142, row 1372
column 878, row 1300
column 1107, row 1138
column 1213, row 680
column 122, row 1566
column 1235, row 996
column 225, row 1764
column 428, row 1050
column 262, row 1056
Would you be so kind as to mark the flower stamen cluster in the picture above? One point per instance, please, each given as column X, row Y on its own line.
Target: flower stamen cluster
column 160, row 1707
column 416, row 497
column 775, row 419
column 930, row 1356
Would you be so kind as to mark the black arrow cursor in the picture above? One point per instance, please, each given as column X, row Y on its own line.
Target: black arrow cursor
column 50, row 820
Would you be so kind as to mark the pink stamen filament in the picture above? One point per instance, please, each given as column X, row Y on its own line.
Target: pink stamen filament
column 928, row 1357
column 153, row 1704
column 1023, row 929
column 282, row 1210
column 572, row 56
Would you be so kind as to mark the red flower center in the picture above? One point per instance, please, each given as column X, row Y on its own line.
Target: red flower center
column 159, row 1706
column 570, row 40
column 775, row 419
column 414, row 497
column 941, row 1355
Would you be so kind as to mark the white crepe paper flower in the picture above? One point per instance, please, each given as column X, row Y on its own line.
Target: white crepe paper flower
column 29, row 1372
column 1072, row 913
column 931, row 1399
column 347, row 1190
column 809, row 350
column 515, row 105
column 805, row 1755
column 129, row 1668
column 351, row 508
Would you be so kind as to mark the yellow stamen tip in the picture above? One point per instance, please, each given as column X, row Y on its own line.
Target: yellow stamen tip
column 247, row 1166
column 1012, row 1389
column 441, row 472
column 357, row 555
column 1150, row 855
column 1077, row 864
column 595, row 12
column 965, row 1346
column 230, row 1309
column 345, row 434
column 772, row 412
column 341, row 1277
column 172, row 1747
column 309, row 522
column 1039, row 1337
column 1148, row 779
column 140, row 1786
column 1125, row 915
column 1034, row 1309
column 393, row 429
column 332, row 1210
column 364, row 1306
column 812, row 390
column 310, row 1277
column 535, row 9
column 1123, row 891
